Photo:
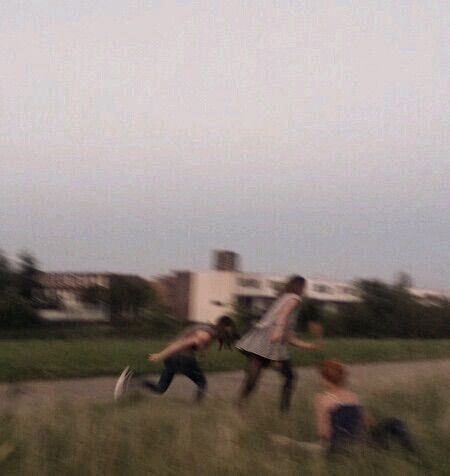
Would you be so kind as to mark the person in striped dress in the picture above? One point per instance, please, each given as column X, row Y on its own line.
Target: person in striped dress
column 266, row 344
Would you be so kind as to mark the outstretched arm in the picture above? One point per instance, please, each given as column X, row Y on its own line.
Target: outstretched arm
column 301, row 344
column 315, row 329
column 200, row 340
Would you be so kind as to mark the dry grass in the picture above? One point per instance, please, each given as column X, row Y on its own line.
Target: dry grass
column 163, row 436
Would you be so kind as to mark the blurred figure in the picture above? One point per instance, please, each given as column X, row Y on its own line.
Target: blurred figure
column 342, row 421
column 339, row 415
column 266, row 343
column 179, row 357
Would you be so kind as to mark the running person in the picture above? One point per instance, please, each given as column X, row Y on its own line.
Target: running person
column 266, row 343
column 179, row 357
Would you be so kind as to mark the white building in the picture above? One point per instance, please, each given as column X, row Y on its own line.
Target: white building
column 204, row 296
column 214, row 293
column 63, row 295
column 64, row 292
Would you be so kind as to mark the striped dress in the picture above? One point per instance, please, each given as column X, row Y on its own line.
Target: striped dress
column 257, row 340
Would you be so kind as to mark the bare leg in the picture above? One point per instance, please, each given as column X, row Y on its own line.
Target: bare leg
column 285, row 442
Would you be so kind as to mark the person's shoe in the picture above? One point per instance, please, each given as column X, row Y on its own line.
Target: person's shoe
column 122, row 383
column 145, row 384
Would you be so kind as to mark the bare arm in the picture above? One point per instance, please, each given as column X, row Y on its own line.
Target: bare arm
column 322, row 418
column 368, row 420
column 301, row 344
column 282, row 317
column 199, row 339
column 315, row 329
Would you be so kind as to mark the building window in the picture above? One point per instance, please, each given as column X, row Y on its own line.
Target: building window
column 322, row 288
column 249, row 283
column 345, row 290
column 277, row 286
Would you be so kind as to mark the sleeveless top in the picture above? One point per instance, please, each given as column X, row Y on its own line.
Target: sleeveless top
column 270, row 317
column 209, row 328
column 258, row 339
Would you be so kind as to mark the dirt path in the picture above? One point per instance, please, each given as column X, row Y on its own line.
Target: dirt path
column 221, row 385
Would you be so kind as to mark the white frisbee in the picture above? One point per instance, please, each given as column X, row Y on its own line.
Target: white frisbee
column 122, row 383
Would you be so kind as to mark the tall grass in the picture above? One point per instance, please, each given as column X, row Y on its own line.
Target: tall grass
column 151, row 435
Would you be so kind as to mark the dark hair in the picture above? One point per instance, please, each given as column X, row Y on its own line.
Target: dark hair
column 226, row 331
column 295, row 285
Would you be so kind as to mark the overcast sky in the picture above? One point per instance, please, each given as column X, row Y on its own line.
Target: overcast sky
column 310, row 136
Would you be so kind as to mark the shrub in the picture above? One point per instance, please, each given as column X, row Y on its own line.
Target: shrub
column 244, row 318
column 390, row 311
column 16, row 312
column 155, row 322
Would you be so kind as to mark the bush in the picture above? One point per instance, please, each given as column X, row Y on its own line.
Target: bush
column 310, row 311
column 16, row 312
column 153, row 323
column 390, row 311
column 157, row 323
column 129, row 297
column 244, row 318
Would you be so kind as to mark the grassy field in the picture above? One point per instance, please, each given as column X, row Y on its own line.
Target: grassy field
column 166, row 437
column 82, row 357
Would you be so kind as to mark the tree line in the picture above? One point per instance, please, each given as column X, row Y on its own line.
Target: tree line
column 128, row 300
column 383, row 309
column 18, row 282
column 386, row 310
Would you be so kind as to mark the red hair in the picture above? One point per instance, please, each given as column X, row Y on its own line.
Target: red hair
column 333, row 372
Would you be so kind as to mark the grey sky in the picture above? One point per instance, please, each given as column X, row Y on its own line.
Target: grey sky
column 310, row 136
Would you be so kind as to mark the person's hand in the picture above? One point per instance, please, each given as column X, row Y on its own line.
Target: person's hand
column 315, row 330
column 318, row 345
column 314, row 346
column 154, row 357
column 277, row 335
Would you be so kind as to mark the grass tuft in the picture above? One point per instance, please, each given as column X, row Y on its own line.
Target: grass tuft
column 164, row 436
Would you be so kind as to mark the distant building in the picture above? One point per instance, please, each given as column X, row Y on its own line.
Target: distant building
column 226, row 261
column 206, row 295
column 63, row 296
column 78, row 296
column 429, row 297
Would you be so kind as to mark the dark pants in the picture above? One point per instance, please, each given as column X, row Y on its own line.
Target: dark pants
column 179, row 364
column 255, row 365
column 392, row 429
